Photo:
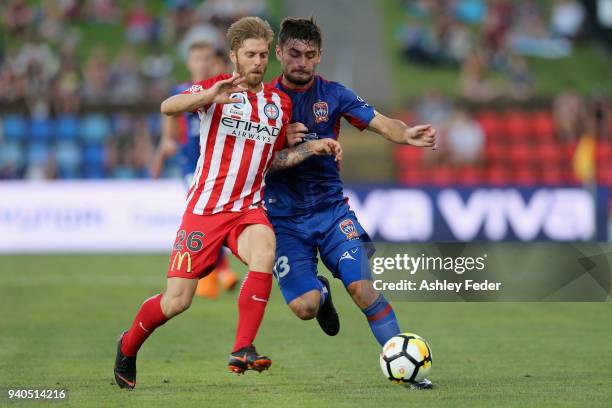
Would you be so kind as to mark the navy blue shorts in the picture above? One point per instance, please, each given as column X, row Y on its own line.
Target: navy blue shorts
column 334, row 233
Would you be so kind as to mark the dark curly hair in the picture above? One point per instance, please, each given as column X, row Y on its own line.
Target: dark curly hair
column 301, row 29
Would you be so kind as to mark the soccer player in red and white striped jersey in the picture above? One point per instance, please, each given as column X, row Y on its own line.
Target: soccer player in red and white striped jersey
column 242, row 136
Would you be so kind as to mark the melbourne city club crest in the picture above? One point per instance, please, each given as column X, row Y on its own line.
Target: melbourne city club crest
column 348, row 228
column 271, row 111
column 321, row 112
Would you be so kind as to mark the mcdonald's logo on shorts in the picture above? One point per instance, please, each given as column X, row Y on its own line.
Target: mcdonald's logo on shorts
column 177, row 261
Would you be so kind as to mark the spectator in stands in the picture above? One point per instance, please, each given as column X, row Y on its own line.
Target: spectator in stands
column 470, row 11
column 17, row 16
column 520, row 80
column 434, row 108
column 567, row 18
column 95, row 89
column 225, row 12
column 464, row 141
column 102, row 11
column 202, row 30
column 66, row 98
column 569, row 114
column 127, row 86
column 38, row 64
column 530, row 36
column 496, row 25
column 475, row 81
column 179, row 19
column 139, row 23
column 417, row 43
column 457, row 42
column 51, row 24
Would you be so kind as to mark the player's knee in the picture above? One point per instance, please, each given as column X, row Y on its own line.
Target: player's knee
column 305, row 307
column 176, row 304
column 306, row 312
column 262, row 259
column 362, row 292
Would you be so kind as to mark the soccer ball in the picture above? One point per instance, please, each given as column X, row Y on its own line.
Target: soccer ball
column 406, row 357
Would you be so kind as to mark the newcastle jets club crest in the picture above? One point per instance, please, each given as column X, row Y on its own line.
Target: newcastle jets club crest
column 321, row 112
column 348, row 228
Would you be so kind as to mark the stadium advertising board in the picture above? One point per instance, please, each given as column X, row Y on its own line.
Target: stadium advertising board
column 124, row 216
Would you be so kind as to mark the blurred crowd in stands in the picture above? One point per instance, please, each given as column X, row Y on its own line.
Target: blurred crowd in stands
column 43, row 68
column 490, row 43
column 73, row 107
column 484, row 38
column 77, row 108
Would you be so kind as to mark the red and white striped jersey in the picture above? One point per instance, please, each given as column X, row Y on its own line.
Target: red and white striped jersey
column 237, row 144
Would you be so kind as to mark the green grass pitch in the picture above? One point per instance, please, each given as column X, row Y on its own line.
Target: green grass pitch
column 60, row 316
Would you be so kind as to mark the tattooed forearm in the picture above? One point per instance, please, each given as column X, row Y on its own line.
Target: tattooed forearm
column 291, row 156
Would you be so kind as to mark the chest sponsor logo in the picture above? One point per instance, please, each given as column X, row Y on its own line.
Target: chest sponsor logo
column 256, row 131
column 321, row 111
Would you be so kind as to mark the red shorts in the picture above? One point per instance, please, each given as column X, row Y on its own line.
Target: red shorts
column 200, row 238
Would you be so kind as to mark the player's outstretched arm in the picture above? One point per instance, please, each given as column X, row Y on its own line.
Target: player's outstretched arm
column 218, row 93
column 398, row 132
column 293, row 156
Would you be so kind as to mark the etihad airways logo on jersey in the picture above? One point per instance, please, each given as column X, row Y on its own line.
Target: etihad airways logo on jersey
column 256, row 131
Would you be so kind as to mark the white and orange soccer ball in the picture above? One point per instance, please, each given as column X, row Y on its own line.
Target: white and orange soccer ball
column 406, row 358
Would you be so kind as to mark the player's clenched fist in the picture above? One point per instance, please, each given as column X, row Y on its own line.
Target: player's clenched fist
column 421, row 136
column 326, row 146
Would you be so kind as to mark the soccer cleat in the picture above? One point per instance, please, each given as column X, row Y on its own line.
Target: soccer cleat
column 327, row 316
column 424, row 384
column 125, row 367
column 247, row 359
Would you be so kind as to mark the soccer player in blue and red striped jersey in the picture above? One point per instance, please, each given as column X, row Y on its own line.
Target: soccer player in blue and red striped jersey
column 306, row 204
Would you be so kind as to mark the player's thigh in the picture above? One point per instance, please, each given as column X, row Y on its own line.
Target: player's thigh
column 295, row 268
column 256, row 246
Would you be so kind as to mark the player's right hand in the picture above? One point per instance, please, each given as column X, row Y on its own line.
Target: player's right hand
column 222, row 90
column 326, row 146
column 295, row 133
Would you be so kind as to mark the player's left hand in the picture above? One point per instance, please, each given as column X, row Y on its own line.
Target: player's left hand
column 326, row 146
column 421, row 136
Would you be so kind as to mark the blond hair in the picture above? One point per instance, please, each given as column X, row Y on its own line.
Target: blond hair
column 246, row 28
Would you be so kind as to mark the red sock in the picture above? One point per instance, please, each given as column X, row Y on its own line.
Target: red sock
column 252, row 302
column 148, row 318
